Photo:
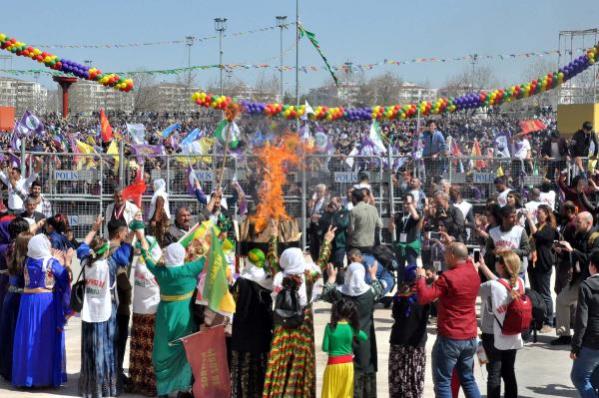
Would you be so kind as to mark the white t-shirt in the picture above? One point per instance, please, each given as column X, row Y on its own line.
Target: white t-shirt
column 500, row 300
column 97, row 304
column 146, row 293
column 532, row 207
column 522, row 149
column 506, row 239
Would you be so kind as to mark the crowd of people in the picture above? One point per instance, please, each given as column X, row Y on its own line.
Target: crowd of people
column 139, row 283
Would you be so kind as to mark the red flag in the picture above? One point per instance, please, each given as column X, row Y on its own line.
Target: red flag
column 134, row 191
column 530, row 126
column 207, row 355
column 105, row 127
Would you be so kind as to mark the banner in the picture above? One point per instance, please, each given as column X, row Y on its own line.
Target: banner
column 439, row 106
column 207, row 355
column 312, row 37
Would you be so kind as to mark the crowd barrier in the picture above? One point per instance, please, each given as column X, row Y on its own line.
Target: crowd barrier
column 81, row 185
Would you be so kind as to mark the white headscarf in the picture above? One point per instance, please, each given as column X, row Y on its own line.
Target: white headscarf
column 293, row 263
column 355, row 283
column 174, row 255
column 160, row 191
column 38, row 248
column 258, row 275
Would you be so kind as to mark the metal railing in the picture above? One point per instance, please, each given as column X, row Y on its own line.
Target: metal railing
column 81, row 185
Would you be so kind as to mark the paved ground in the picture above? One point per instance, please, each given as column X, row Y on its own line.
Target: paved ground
column 542, row 370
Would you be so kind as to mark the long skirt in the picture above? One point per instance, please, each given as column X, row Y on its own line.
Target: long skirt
column 406, row 371
column 8, row 323
column 141, row 370
column 291, row 370
column 39, row 360
column 99, row 376
column 247, row 374
column 338, row 381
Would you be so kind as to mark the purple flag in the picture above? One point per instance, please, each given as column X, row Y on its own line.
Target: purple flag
column 142, row 151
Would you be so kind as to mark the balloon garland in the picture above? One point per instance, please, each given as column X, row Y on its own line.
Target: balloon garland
column 64, row 65
column 437, row 107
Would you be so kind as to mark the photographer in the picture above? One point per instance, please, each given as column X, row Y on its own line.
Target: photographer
column 408, row 226
column 442, row 212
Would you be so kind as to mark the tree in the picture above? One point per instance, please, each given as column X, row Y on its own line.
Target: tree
column 145, row 95
column 471, row 79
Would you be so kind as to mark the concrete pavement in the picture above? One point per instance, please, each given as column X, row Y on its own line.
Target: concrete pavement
column 542, row 370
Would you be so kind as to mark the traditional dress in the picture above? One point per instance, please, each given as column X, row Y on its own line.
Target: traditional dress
column 291, row 370
column 338, row 380
column 407, row 354
column 99, row 376
column 8, row 320
column 364, row 295
column 40, row 360
column 146, row 296
column 177, row 281
column 252, row 328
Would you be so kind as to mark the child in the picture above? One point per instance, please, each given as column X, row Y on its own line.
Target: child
column 339, row 335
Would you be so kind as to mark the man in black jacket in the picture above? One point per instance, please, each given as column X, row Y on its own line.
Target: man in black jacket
column 585, row 344
column 585, row 241
column 443, row 212
column 555, row 150
column 580, row 144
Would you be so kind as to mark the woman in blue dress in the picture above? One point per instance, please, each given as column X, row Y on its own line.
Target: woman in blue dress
column 99, row 374
column 10, row 308
column 40, row 360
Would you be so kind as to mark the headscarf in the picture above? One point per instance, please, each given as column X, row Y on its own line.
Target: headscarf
column 405, row 292
column 174, row 255
column 355, row 281
column 255, row 272
column 292, row 262
column 38, row 248
column 160, row 191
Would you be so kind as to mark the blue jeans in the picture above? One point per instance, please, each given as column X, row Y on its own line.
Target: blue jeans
column 449, row 354
column 582, row 370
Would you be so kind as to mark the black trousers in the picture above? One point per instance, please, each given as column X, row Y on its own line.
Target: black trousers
column 122, row 334
column 540, row 282
column 500, row 366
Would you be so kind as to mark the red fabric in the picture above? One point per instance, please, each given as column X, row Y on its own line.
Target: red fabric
column 105, row 127
column 340, row 359
column 456, row 290
column 530, row 126
column 455, row 384
column 135, row 190
column 207, row 356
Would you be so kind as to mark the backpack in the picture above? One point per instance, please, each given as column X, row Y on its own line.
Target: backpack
column 518, row 315
column 539, row 309
column 288, row 311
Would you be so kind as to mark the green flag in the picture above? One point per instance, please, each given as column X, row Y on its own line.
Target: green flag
column 216, row 288
column 220, row 133
column 312, row 37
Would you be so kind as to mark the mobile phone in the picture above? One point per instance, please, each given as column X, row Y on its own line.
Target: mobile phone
column 434, row 235
column 476, row 255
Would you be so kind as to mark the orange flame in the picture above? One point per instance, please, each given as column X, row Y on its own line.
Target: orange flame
column 276, row 161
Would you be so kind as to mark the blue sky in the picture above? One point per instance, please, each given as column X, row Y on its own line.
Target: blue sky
column 357, row 31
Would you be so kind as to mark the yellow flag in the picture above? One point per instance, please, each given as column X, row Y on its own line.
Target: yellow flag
column 114, row 150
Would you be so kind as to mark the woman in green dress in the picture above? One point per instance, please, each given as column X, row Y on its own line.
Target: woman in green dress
column 177, row 281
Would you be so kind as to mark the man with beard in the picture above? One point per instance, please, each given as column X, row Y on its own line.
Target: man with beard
column 42, row 204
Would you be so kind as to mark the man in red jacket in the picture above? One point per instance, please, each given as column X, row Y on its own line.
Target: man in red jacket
column 455, row 346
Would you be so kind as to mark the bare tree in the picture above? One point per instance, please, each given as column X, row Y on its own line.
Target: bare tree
column 145, row 94
column 471, row 79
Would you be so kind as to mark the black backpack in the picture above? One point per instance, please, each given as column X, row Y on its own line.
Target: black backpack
column 539, row 309
column 288, row 311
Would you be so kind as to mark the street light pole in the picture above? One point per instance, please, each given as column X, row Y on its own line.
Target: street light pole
column 281, row 24
column 189, row 42
column 220, row 25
